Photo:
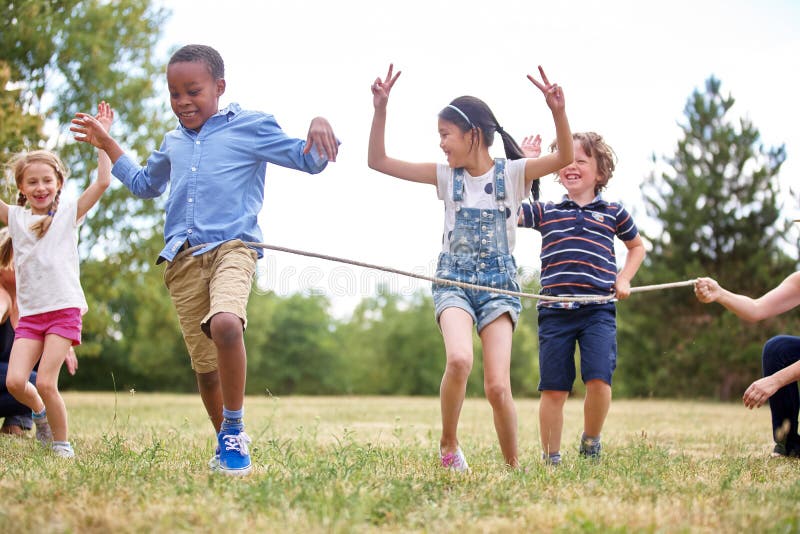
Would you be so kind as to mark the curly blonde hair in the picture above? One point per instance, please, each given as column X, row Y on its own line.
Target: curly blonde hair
column 596, row 147
column 19, row 164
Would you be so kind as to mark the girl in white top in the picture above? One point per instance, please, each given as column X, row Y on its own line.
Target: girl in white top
column 481, row 196
column 44, row 238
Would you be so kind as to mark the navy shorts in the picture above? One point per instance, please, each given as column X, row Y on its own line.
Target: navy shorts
column 593, row 328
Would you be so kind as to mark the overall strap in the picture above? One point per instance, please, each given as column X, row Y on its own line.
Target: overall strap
column 458, row 185
column 499, row 179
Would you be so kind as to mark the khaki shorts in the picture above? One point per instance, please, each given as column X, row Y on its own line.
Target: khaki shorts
column 202, row 286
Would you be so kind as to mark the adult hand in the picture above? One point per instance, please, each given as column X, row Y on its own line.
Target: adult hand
column 71, row 361
column 553, row 94
column 320, row 134
column 382, row 88
column 707, row 290
column 759, row 392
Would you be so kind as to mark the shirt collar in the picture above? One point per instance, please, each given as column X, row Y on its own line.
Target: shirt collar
column 596, row 202
column 230, row 111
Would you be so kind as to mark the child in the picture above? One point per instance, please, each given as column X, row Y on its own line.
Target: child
column 578, row 260
column 480, row 195
column 780, row 358
column 49, row 294
column 215, row 162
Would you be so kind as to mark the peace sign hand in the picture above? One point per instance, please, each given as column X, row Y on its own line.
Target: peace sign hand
column 553, row 94
column 382, row 88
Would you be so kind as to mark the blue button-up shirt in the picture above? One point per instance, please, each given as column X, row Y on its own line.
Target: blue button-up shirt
column 216, row 176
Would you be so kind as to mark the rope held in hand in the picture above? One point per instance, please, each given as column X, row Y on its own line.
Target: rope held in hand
column 441, row 281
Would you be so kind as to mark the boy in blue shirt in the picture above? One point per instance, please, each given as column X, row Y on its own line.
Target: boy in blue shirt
column 578, row 260
column 215, row 162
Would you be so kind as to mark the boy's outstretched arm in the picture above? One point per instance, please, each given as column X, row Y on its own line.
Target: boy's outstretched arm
column 103, row 120
column 633, row 261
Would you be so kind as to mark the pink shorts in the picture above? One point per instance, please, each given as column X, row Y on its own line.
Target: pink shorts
column 66, row 323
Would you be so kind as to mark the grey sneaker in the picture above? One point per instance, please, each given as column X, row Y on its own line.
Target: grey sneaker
column 43, row 433
column 590, row 447
column 213, row 463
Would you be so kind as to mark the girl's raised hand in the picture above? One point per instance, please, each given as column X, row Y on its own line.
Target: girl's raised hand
column 382, row 88
column 532, row 146
column 553, row 94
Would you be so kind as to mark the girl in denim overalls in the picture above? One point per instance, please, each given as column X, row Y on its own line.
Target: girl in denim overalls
column 482, row 197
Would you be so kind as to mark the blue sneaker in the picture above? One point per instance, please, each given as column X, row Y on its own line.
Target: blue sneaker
column 234, row 455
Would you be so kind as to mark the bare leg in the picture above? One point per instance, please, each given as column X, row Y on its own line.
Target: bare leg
column 211, row 393
column 55, row 351
column 456, row 325
column 595, row 407
column 551, row 419
column 496, row 340
column 24, row 355
column 227, row 333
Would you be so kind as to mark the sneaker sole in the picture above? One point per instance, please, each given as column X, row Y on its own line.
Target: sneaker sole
column 235, row 472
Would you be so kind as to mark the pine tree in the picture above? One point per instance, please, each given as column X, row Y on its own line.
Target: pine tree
column 717, row 205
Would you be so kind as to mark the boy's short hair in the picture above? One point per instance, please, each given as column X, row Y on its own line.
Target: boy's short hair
column 596, row 147
column 196, row 52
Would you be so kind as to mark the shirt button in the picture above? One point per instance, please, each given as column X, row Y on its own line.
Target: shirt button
column 194, row 169
column 483, row 265
column 197, row 142
column 483, row 254
column 191, row 200
column 483, row 241
column 189, row 231
column 483, row 228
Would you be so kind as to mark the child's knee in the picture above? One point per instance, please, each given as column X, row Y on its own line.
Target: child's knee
column 46, row 388
column 226, row 329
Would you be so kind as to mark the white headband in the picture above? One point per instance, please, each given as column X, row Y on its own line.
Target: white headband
column 462, row 114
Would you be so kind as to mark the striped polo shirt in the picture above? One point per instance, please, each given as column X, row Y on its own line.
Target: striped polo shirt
column 578, row 246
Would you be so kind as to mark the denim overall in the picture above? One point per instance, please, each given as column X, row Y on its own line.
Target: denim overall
column 479, row 255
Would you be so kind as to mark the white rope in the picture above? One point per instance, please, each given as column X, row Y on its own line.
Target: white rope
column 441, row 281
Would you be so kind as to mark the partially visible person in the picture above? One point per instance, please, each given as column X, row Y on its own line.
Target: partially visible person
column 578, row 260
column 43, row 226
column 780, row 358
column 17, row 418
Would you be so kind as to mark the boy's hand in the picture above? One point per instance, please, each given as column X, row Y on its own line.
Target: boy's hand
column 105, row 115
column 532, row 146
column 622, row 287
column 91, row 130
column 553, row 94
column 320, row 134
column 382, row 88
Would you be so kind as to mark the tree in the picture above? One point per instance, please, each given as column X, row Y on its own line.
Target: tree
column 718, row 212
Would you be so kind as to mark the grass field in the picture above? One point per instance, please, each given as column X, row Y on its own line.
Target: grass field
column 358, row 464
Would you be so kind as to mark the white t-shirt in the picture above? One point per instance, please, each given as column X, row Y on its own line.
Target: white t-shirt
column 47, row 269
column 476, row 196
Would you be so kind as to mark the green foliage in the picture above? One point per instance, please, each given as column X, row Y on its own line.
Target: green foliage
column 718, row 209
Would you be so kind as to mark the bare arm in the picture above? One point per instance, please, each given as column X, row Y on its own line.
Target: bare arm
column 104, row 118
column 563, row 156
column 775, row 302
column 762, row 389
column 633, row 261
column 376, row 156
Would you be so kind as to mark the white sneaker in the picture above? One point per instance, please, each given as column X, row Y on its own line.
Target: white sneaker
column 454, row 460
column 63, row 450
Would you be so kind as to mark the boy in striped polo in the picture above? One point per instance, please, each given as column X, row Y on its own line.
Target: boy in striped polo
column 578, row 260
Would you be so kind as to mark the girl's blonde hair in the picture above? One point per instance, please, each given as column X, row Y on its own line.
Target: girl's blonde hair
column 19, row 164
column 596, row 147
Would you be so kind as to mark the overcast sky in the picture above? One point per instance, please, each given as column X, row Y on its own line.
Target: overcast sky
column 627, row 69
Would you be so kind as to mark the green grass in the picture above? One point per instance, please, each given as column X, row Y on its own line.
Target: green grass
column 357, row 464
